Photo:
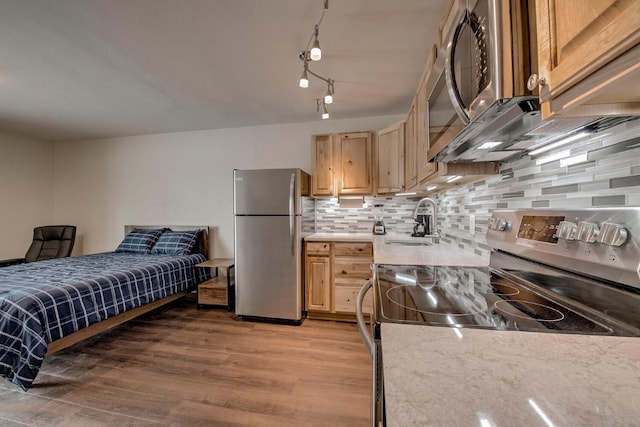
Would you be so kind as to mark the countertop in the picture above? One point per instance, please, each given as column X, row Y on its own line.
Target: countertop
column 383, row 253
column 436, row 376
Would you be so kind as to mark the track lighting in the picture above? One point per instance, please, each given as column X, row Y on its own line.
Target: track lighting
column 304, row 78
column 315, row 54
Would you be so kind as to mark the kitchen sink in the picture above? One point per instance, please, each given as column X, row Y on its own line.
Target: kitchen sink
column 407, row 243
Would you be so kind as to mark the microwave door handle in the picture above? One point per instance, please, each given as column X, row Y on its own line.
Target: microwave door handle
column 452, row 87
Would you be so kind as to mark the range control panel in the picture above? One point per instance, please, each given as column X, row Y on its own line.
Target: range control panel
column 550, row 229
column 602, row 243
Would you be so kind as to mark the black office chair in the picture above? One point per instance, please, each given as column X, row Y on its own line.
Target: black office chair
column 49, row 241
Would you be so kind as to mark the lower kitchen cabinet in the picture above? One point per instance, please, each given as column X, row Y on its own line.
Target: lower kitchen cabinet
column 334, row 274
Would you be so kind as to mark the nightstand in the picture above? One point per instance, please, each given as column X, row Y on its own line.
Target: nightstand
column 218, row 291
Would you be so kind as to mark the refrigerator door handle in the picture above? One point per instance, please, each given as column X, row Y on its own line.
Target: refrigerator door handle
column 292, row 188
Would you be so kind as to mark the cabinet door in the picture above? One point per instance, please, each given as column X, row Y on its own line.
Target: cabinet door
column 390, row 159
column 355, row 163
column 424, row 167
column 576, row 39
column 346, row 297
column 318, row 281
column 351, row 271
column 322, row 166
column 410, row 162
column 349, row 249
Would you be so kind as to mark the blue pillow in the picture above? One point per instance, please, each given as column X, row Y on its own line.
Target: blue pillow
column 176, row 243
column 139, row 241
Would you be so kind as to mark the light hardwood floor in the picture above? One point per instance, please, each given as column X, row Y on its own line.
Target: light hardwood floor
column 181, row 366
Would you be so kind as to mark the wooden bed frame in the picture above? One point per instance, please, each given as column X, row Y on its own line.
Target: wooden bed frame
column 96, row 328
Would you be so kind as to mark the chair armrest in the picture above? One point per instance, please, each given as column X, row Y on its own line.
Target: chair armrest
column 13, row 261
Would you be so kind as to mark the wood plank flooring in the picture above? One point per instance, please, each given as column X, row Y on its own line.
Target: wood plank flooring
column 180, row 366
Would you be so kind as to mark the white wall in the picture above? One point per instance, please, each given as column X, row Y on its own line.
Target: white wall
column 182, row 178
column 26, row 186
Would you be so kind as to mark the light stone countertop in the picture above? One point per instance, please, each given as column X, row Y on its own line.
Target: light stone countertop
column 436, row 376
column 383, row 253
column 339, row 237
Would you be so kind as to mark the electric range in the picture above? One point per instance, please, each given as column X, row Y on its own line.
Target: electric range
column 550, row 271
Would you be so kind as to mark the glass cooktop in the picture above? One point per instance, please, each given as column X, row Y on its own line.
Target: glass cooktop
column 477, row 297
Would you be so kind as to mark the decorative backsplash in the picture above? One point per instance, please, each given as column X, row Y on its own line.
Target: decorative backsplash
column 603, row 171
column 395, row 212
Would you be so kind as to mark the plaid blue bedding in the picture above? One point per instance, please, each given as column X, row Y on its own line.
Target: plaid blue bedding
column 44, row 301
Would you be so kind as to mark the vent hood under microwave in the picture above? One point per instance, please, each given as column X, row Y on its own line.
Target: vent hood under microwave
column 512, row 127
column 486, row 112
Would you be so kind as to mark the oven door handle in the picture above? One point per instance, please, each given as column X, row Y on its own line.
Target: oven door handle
column 362, row 325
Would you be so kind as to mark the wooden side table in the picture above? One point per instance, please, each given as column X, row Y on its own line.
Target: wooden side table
column 218, row 291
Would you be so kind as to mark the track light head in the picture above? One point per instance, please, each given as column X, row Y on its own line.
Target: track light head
column 325, row 113
column 304, row 78
column 316, row 53
column 321, row 107
column 328, row 98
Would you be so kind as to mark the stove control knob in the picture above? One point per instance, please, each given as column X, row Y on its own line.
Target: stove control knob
column 587, row 232
column 612, row 234
column 497, row 224
column 567, row 230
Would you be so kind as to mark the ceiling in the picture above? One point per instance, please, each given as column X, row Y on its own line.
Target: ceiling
column 79, row 69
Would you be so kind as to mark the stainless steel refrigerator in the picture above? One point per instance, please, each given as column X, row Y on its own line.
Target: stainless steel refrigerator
column 268, row 221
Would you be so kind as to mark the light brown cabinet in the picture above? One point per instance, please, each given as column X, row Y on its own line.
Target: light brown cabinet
column 342, row 164
column 410, row 150
column 424, row 167
column 334, row 274
column 389, row 159
column 588, row 57
column 322, row 176
column 354, row 163
column 318, row 276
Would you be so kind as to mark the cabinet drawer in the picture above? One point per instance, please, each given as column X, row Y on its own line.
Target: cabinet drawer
column 353, row 267
column 318, row 248
column 352, row 249
column 212, row 292
column 345, row 298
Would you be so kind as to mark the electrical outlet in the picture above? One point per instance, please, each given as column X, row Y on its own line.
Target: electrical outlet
column 472, row 224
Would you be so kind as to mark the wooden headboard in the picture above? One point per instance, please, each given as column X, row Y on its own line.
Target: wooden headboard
column 203, row 239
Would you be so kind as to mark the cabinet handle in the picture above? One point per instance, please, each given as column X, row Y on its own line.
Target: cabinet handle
column 534, row 81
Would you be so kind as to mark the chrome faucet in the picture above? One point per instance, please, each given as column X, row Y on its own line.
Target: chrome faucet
column 414, row 216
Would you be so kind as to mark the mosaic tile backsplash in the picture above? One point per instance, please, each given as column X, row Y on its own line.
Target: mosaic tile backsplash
column 601, row 171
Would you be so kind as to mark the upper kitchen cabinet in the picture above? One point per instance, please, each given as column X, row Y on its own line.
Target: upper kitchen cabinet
column 322, row 176
column 424, row 167
column 410, row 144
column 353, row 160
column 389, row 159
column 342, row 164
column 417, row 165
column 588, row 57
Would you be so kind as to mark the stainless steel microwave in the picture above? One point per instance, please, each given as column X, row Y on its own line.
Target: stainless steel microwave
column 488, row 57
column 479, row 90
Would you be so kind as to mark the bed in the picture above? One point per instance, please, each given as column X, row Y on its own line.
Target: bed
column 49, row 305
